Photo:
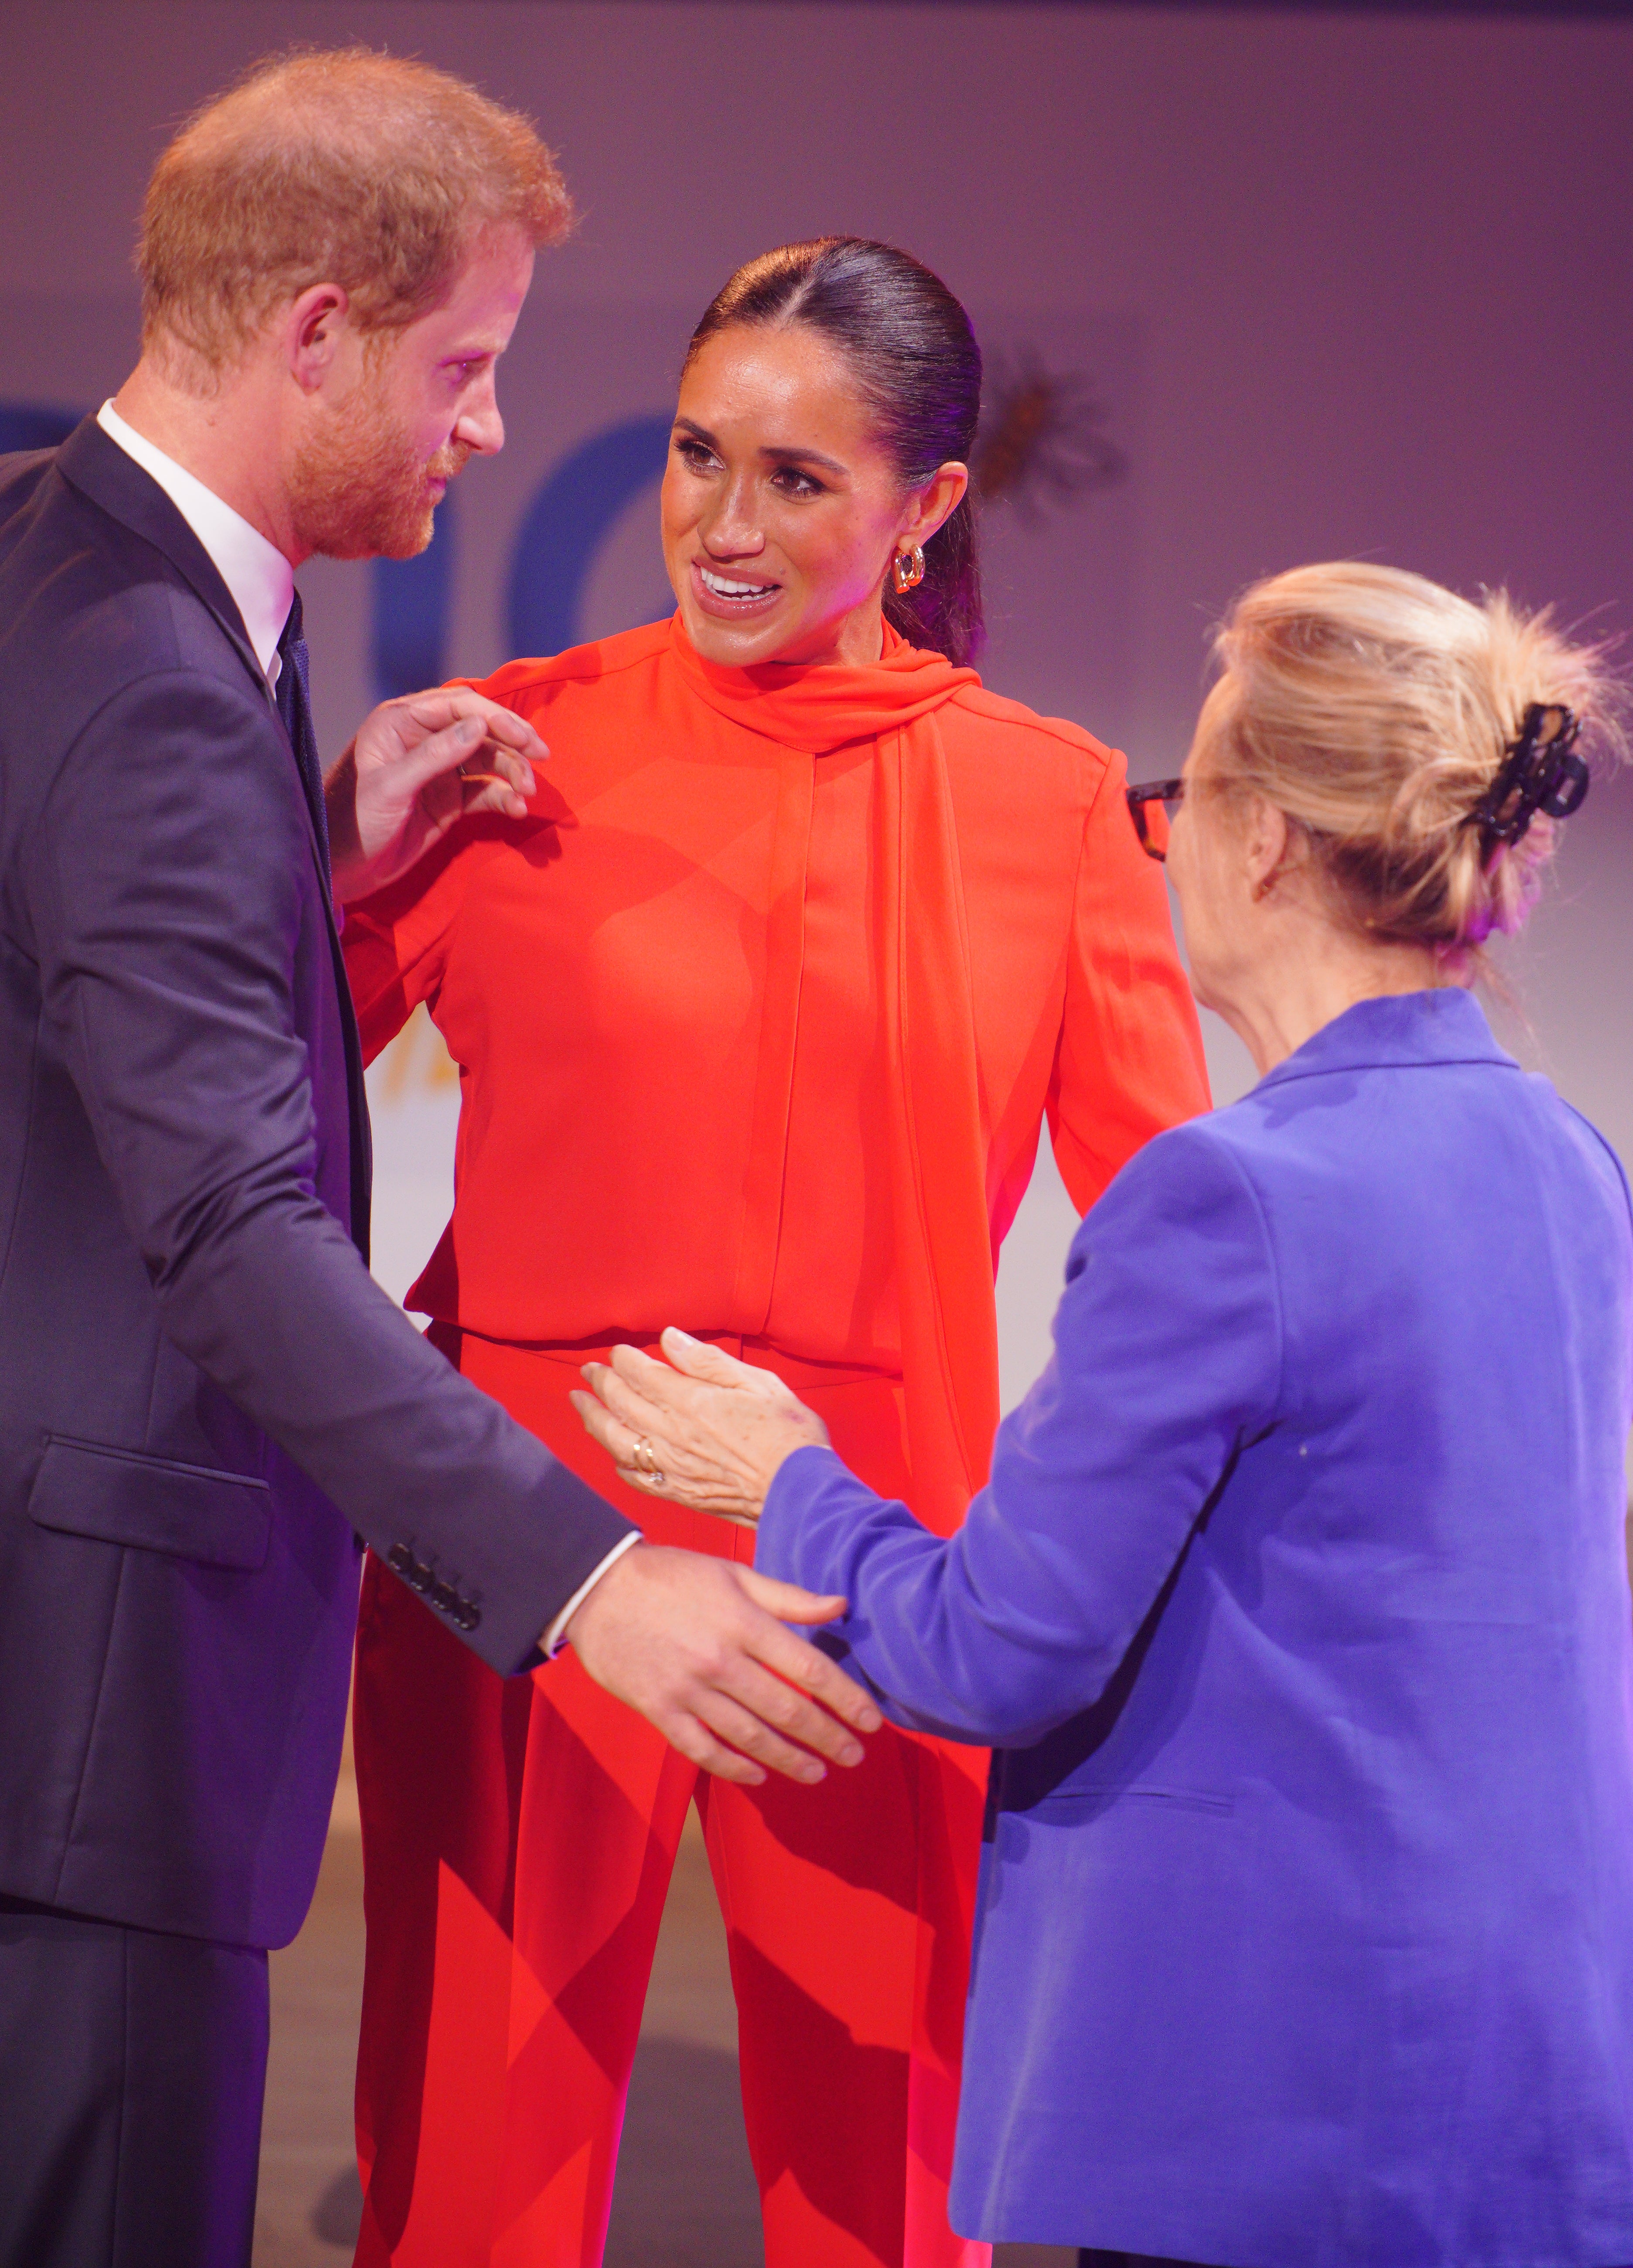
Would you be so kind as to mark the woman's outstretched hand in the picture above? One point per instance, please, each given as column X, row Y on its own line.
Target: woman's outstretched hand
column 702, row 1429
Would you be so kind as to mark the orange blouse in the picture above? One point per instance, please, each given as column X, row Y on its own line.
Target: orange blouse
column 757, row 1015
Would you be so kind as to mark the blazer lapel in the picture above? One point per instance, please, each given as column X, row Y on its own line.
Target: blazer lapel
column 99, row 468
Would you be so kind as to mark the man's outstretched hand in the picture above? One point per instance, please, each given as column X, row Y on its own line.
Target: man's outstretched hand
column 698, row 1646
column 416, row 765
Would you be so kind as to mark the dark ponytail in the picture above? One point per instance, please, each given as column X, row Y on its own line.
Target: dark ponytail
column 916, row 358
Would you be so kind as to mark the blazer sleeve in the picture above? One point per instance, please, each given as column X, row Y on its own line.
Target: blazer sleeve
column 1130, row 1060
column 1167, row 1359
column 163, row 876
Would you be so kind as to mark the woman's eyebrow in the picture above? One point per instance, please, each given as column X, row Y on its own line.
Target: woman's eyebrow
column 781, row 456
column 798, row 456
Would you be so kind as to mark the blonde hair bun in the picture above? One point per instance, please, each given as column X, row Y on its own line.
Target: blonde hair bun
column 1378, row 710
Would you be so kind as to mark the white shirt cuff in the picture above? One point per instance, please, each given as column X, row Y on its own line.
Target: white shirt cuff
column 556, row 1638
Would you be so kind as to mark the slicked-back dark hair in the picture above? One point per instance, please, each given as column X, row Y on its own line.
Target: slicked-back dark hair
column 914, row 351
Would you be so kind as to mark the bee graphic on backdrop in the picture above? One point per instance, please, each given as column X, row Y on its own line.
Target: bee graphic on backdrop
column 1042, row 442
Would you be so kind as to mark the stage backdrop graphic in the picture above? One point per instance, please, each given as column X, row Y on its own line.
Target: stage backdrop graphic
column 1303, row 285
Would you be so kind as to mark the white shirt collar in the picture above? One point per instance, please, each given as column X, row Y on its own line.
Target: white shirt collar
column 259, row 577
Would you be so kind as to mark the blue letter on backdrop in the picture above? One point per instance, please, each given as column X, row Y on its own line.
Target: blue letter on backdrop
column 412, row 597
column 574, row 508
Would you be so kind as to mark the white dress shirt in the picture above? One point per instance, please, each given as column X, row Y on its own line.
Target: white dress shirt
column 262, row 585
column 551, row 1644
column 255, row 571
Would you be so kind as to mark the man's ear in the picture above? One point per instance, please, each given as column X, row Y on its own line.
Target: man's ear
column 312, row 327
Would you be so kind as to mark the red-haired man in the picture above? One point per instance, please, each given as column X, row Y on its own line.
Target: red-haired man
column 203, row 1394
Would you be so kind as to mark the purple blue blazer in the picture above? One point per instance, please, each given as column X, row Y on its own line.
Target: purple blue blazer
column 1298, row 1610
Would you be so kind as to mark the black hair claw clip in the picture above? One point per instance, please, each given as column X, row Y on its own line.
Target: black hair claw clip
column 1541, row 772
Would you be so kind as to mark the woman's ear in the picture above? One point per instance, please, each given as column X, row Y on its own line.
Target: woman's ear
column 1268, row 846
column 931, row 507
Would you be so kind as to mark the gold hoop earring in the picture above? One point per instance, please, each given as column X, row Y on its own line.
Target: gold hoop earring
column 906, row 571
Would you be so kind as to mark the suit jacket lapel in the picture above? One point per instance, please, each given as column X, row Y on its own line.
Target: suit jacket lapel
column 99, row 468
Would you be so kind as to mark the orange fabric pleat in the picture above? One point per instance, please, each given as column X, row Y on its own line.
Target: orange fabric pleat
column 828, row 705
column 943, row 1243
column 950, row 1356
column 938, row 1141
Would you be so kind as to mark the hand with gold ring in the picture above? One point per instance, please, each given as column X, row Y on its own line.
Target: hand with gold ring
column 701, row 1428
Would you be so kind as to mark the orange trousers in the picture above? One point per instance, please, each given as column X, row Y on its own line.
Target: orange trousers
column 519, row 1837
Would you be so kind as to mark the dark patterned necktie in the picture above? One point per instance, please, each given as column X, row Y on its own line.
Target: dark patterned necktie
column 293, row 695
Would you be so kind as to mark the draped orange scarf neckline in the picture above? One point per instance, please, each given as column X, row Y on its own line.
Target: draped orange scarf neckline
column 826, row 705
column 939, row 1137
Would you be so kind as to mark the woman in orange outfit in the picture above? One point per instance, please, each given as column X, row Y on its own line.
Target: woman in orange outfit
column 757, row 1015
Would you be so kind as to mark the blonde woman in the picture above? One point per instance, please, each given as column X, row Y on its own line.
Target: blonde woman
column 1297, row 1604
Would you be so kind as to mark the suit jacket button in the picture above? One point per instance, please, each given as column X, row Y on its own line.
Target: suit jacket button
column 399, row 1558
column 443, row 1597
column 419, row 1576
column 469, row 1617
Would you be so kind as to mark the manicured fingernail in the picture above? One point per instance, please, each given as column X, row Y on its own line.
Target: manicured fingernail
column 812, row 1773
column 852, row 1754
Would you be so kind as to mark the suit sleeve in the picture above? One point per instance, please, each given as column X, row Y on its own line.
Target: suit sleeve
column 163, row 876
column 1166, row 1363
column 1129, row 1062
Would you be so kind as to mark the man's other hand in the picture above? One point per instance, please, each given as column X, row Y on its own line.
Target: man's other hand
column 416, row 765
column 698, row 1646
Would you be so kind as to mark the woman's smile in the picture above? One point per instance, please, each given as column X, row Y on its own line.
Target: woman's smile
column 730, row 597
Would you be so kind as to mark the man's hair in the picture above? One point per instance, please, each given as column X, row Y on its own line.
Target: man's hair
column 351, row 167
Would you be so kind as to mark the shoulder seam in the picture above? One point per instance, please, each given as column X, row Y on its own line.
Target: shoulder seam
column 550, row 670
column 1202, row 1128
column 1617, row 1167
column 1061, row 730
column 1263, row 1217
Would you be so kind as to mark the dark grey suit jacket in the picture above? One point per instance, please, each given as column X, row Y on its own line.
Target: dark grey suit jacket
column 202, row 1393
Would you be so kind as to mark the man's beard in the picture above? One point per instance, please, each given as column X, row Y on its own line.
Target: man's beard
column 359, row 488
